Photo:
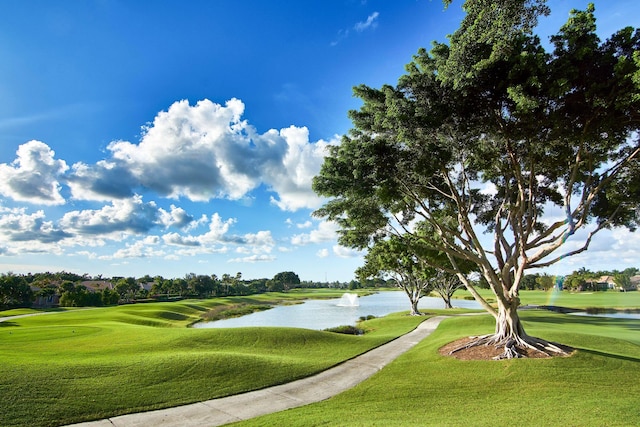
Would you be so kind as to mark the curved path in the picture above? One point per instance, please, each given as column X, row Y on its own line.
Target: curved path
column 278, row 398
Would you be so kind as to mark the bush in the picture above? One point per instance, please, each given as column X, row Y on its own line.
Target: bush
column 346, row 329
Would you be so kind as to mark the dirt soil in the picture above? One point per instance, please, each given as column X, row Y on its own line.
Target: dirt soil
column 487, row 352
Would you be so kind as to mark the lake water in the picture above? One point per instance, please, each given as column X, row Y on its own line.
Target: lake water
column 323, row 314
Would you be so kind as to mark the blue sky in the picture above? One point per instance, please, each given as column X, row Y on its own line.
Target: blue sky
column 167, row 137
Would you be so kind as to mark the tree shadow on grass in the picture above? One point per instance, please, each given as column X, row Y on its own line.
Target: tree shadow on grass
column 584, row 320
column 7, row 323
column 609, row 355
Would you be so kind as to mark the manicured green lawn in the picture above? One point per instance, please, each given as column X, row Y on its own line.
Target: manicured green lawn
column 609, row 299
column 597, row 386
column 89, row 364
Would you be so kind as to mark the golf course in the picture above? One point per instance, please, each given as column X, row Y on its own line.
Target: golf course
column 86, row 364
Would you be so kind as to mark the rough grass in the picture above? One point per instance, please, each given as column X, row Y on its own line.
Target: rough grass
column 90, row 364
column 596, row 386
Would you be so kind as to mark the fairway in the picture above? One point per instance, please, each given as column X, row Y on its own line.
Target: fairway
column 81, row 365
column 90, row 364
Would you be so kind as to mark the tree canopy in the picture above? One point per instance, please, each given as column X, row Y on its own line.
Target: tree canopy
column 529, row 134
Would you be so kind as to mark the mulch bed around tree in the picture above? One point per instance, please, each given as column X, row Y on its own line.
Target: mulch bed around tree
column 487, row 352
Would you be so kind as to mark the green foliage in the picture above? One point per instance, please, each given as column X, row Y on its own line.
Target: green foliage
column 284, row 281
column 14, row 291
column 485, row 134
column 485, row 35
column 346, row 329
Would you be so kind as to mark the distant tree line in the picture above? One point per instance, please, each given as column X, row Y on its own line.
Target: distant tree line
column 73, row 290
column 585, row 280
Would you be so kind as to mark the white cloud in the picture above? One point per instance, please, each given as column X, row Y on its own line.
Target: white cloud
column 104, row 181
column 178, row 240
column 292, row 177
column 254, row 259
column 29, row 232
column 178, row 217
column 343, row 252
column 202, row 152
column 216, row 239
column 130, row 216
column 371, row 22
column 322, row 253
column 326, row 232
column 143, row 248
column 34, row 175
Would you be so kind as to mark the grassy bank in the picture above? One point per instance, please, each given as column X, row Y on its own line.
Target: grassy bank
column 596, row 386
column 89, row 364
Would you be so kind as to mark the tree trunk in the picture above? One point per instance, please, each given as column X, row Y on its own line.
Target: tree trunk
column 508, row 325
column 447, row 302
column 511, row 336
column 414, row 307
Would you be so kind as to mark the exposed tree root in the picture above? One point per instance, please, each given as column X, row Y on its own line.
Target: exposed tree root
column 516, row 347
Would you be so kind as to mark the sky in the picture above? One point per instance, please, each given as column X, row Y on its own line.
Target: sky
column 173, row 137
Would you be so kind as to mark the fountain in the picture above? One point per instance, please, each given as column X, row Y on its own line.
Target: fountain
column 348, row 300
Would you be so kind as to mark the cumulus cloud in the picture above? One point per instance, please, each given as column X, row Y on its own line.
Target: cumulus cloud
column 104, row 181
column 292, row 176
column 343, row 252
column 322, row 253
column 217, row 237
column 18, row 226
column 178, row 240
column 202, row 152
column 34, row 175
column 176, row 217
column 326, row 232
column 131, row 216
column 143, row 248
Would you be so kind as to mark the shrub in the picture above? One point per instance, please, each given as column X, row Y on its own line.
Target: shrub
column 346, row 329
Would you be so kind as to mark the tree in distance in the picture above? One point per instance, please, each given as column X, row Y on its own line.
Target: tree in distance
column 449, row 153
column 411, row 265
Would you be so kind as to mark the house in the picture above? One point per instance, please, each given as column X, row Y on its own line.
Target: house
column 606, row 282
column 97, row 285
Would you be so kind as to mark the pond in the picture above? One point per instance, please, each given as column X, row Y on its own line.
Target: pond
column 329, row 313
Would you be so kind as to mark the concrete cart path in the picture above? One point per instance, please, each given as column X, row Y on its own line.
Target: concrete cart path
column 278, row 398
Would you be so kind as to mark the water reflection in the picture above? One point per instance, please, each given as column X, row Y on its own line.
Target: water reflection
column 323, row 314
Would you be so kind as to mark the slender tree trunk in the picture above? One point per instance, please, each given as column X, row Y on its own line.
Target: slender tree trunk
column 447, row 301
column 414, row 307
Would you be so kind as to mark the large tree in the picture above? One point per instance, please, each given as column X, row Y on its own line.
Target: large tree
column 530, row 132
